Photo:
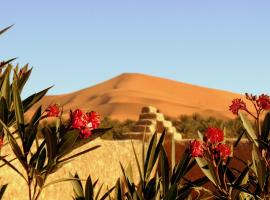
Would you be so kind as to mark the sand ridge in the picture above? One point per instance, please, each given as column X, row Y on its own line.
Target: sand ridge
column 123, row 97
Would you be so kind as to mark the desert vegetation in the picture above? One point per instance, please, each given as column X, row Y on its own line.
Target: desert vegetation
column 42, row 149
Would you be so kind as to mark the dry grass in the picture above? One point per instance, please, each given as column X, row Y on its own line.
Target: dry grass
column 102, row 163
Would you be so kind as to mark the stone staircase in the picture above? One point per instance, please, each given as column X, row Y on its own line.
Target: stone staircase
column 151, row 121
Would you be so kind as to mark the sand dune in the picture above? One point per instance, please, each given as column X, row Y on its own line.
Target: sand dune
column 123, row 96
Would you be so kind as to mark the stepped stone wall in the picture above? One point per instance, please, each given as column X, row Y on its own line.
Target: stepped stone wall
column 151, row 121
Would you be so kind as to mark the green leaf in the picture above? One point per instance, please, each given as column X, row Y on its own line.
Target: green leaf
column 118, row 192
column 200, row 135
column 77, row 186
column 19, row 112
column 248, row 126
column 95, row 134
column 22, row 81
column 5, row 29
column 150, row 156
column 51, row 143
column 165, row 169
column 2, row 190
column 15, row 147
column 3, row 112
column 259, row 166
column 66, row 145
column 181, row 167
column 72, row 179
column 31, row 130
column 5, row 89
column 8, row 163
column 172, row 193
column 107, row 194
column 266, row 128
column 137, row 162
column 41, row 160
column 89, row 190
column 78, row 154
column 6, row 62
column 98, row 193
column 207, row 169
column 33, row 99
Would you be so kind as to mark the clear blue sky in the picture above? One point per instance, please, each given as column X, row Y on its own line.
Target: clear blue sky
column 76, row 44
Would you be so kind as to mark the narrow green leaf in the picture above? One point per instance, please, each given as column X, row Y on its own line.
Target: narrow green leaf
column 66, row 145
column 2, row 64
column 137, row 162
column 32, row 129
column 150, row 156
column 41, row 160
column 51, row 143
column 79, row 154
column 5, row 29
column 266, row 127
column 181, row 167
column 165, row 169
column 250, row 131
column 207, row 170
column 13, row 167
column 5, row 89
column 89, row 190
column 107, row 194
column 118, row 192
column 98, row 193
column 19, row 111
column 172, row 193
column 259, row 166
column 72, row 179
column 2, row 190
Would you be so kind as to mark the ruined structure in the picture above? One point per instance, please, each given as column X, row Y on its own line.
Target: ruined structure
column 151, row 121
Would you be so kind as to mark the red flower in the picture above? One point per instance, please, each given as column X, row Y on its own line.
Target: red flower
column 196, row 148
column 79, row 119
column 85, row 133
column 263, row 102
column 214, row 135
column 93, row 119
column 223, row 151
column 237, row 104
column 85, row 122
column 53, row 111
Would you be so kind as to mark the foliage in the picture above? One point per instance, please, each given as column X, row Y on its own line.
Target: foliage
column 88, row 193
column 189, row 125
column 39, row 158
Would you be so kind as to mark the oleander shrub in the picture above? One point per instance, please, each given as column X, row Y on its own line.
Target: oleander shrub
column 39, row 156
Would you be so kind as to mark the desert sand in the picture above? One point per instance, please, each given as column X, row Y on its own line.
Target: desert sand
column 123, row 97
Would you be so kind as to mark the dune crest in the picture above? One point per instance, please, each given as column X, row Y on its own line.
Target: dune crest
column 123, row 97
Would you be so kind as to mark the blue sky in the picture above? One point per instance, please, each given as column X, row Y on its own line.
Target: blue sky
column 76, row 44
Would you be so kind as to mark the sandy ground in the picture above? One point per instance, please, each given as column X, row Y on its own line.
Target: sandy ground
column 102, row 163
column 133, row 91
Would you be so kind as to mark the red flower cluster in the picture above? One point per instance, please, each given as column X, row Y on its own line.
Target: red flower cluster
column 223, row 151
column 214, row 135
column 85, row 122
column 211, row 144
column 237, row 104
column 53, row 111
column 196, row 148
column 263, row 102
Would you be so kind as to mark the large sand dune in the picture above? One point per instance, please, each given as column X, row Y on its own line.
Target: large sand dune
column 123, row 96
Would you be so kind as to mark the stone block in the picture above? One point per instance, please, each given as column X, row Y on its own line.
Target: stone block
column 149, row 109
column 146, row 122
